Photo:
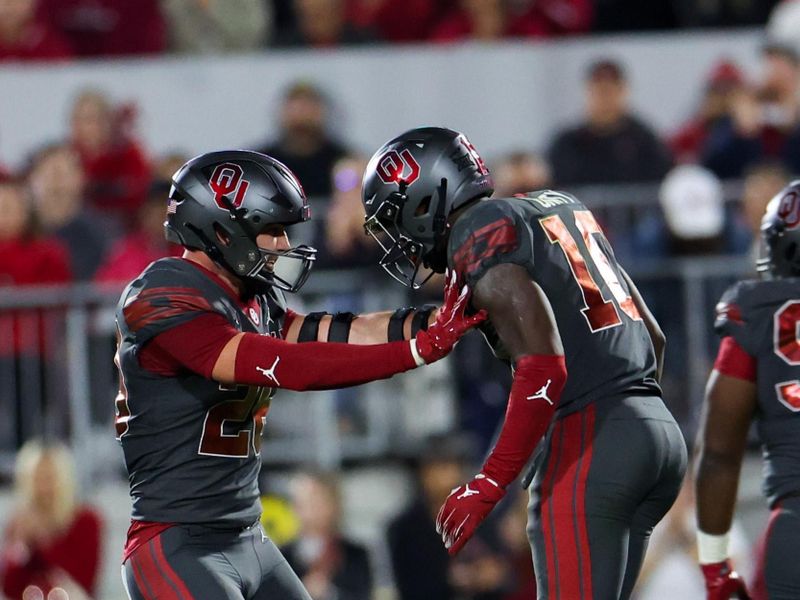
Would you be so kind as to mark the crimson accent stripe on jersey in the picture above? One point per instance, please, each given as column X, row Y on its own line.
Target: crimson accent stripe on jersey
column 161, row 303
column 569, row 577
column 169, row 573
column 587, row 445
column 138, row 575
column 546, row 511
column 498, row 236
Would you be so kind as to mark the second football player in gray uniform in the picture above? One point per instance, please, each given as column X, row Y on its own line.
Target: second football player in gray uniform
column 756, row 377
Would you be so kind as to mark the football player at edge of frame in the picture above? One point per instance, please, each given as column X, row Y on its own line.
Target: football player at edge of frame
column 203, row 342
column 584, row 349
column 756, row 376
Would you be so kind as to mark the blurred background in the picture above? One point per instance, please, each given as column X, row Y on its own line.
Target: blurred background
column 675, row 121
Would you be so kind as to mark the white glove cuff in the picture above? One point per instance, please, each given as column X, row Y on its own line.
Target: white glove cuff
column 712, row 548
column 415, row 353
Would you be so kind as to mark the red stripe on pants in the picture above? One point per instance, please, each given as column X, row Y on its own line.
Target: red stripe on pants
column 580, row 499
column 546, row 512
column 156, row 582
column 169, row 571
column 138, row 576
column 569, row 581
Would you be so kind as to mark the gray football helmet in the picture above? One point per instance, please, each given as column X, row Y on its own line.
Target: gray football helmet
column 411, row 185
column 220, row 202
column 779, row 253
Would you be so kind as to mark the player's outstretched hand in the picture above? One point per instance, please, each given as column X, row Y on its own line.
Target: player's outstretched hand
column 723, row 583
column 465, row 508
column 451, row 323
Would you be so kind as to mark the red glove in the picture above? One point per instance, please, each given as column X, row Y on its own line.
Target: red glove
column 722, row 582
column 451, row 323
column 465, row 508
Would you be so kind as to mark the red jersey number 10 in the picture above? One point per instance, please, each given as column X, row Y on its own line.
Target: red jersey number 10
column 599, row 312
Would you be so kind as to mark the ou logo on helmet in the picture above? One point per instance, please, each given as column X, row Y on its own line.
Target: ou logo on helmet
column 789, row 210
column 227, row 180
column 392, row 167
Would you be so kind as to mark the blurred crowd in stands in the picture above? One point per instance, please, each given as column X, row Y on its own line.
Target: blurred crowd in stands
column 73, row 29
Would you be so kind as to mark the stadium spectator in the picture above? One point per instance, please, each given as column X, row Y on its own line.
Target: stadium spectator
column 693, row 219
column 321, row 24
column 611, row 145
column 633, row 15
column 521, row 172
column 146, row 243
column 50, row 540
column 330, row 566
column 25, row 258
column 117, row 172
column 57, row 184
column 24, row 37
column 765, row 122
column 342, row 242
column 107, row 27
column 395, row 20
column 216, row 26
column 515, row 542
column 722, row 84
column 495, row 19
column 419, row 560
column 304, row 144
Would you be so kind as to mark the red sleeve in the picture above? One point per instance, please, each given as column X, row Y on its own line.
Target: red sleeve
column 733, row 361
column 267, row 361
column 168, row 353
column 535, row 393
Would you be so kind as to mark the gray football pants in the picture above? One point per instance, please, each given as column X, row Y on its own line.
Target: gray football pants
column 777, row 576
column 192, row 562
column 608, row 474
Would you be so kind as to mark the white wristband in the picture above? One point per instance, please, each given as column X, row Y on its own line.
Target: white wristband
column 712, row 548
column 415, row 353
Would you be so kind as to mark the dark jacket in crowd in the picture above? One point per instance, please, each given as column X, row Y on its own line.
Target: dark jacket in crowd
column 351, row 575
column 629, row 153
column 313, row 171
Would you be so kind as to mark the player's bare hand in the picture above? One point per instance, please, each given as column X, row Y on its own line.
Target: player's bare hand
column 451, row 322
column 465, row 508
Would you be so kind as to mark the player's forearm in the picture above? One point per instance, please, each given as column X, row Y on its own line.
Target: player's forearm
column 535, row 392
column 364, row 329
column 716, row 486
column 252, row 359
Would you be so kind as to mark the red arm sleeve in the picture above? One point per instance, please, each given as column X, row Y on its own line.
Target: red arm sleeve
column 733, row 361
column 535, row 392
column 267, row 361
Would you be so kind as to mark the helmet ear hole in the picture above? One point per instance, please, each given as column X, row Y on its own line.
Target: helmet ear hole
column 222, row 235
column 424, row 207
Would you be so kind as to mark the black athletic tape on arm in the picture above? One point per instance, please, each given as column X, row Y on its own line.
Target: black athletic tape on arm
column 309, row 330
column 396, row 323
column 420, row 320
column 339, row 330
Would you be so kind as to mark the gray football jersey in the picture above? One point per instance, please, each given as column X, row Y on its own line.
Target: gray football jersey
column 191, row 445
column 607, row 348
column 764, row 319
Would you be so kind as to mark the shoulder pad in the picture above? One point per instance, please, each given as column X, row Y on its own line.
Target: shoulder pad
column 734, row 310
column 489, row 233
column 164, row 296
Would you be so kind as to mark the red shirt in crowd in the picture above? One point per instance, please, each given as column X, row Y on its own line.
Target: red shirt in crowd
column 117, row 178
column 108, row 27
column 130, row 256
column 39, row 43
column 395, row 20
column 29, row 262
column 76, row 551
